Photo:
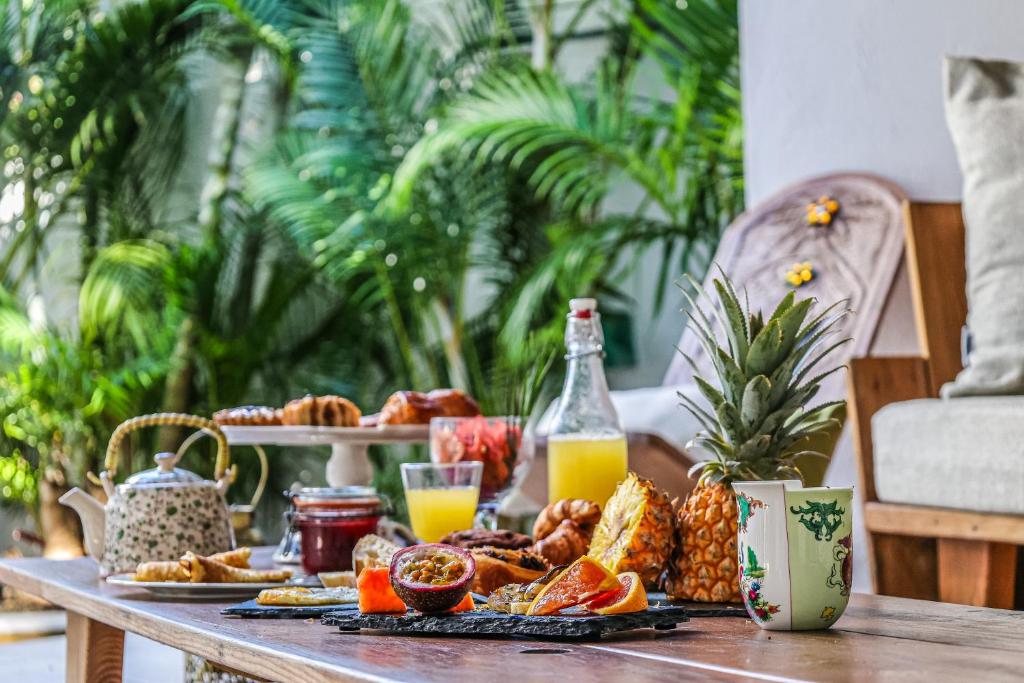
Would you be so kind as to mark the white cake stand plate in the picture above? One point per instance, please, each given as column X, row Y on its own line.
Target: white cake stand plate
column 349, row 464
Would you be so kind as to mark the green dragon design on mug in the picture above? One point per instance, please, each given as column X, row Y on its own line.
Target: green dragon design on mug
column 822, row 519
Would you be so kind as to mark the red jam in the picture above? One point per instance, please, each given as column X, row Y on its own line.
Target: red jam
column 331, row 521
column 327, row 540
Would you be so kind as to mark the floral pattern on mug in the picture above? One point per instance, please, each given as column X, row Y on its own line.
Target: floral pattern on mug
column 751, row 574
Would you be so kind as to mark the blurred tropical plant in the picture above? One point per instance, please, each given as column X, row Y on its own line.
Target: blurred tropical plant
column 396, row 195
column 575, row 144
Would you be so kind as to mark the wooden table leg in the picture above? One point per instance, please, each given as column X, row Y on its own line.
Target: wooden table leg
column 95, row 652
column 977, row 573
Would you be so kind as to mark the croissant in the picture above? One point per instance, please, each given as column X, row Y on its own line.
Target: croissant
column 204, row 570
column 412, row 407
column 173, row 571
column 585, row 513
column 499, row 566
column 566, row 544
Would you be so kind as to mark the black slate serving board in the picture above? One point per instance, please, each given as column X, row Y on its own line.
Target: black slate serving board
column 701, row 609
column 251, row 610
column 488, row 622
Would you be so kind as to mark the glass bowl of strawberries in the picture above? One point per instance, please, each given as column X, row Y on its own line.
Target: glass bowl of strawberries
column 497, row 442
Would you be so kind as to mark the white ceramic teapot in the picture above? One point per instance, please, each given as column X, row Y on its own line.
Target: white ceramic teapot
column 158, row 514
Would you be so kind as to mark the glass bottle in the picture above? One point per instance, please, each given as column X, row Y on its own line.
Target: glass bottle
column 587, row 455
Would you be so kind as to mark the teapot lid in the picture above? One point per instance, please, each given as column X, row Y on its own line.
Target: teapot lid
column 164, row 473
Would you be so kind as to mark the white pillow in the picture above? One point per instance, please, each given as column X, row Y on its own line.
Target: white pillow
column 985, row 114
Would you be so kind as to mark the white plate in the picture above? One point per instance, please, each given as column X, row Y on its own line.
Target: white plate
column 194, row 591
column 301, row 435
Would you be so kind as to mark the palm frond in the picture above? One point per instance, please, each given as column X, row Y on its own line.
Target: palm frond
column 117, row 295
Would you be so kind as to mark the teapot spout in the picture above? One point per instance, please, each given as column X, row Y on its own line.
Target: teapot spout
column 93, row 517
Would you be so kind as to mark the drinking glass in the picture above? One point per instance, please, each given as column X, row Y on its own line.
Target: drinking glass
column 441, row 498
column 496, row 442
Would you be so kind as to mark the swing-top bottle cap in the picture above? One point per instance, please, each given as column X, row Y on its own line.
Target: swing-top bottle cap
column 577, row 305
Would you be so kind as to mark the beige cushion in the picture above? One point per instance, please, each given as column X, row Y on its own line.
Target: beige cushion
column 985, row 112
column 964, row 453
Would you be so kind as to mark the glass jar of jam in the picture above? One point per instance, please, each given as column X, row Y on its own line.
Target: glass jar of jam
column 331, row 520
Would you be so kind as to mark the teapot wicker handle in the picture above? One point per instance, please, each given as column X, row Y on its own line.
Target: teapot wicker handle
column 168, row 420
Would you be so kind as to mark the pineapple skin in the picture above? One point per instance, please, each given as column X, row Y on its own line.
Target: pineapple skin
column 648, row 548
column 704, row 564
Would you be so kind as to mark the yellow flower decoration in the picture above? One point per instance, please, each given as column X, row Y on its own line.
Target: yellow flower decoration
column 822, row 212
column 800, row 274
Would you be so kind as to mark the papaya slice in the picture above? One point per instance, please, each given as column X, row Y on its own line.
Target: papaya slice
column 466, row 605
column 376, row 596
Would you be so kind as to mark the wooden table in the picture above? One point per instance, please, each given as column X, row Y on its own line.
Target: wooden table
column 879, row 638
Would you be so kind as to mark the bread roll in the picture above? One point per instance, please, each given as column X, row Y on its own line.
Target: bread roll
column 321, row 411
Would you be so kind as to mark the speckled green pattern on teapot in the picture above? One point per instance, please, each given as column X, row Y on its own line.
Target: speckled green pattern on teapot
column 794, row 553
column 145, row 524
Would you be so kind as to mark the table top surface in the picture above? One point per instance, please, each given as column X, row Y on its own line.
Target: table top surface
column 878, row 638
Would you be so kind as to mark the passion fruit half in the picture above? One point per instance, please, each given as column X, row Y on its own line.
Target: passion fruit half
column 432, row 577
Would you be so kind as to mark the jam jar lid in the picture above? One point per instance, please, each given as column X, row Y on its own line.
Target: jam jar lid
column 345, row 501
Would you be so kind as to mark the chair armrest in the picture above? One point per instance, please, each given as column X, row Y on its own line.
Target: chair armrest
column 871, row 384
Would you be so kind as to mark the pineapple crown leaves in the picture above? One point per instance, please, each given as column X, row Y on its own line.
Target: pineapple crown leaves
column 758, row 412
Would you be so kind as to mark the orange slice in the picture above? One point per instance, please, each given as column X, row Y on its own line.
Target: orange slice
column 581, row 580
column 630, row 596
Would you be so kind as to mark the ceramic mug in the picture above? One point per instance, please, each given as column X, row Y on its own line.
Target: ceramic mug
column 794, row 553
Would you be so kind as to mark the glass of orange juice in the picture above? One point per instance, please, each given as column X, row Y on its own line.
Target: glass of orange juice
column 441, row 498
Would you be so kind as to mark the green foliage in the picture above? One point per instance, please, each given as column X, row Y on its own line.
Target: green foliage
column 18, row 480
column 60, row 402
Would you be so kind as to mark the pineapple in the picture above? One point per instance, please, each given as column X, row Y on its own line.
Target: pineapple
column 755, row 429
column 635, row 532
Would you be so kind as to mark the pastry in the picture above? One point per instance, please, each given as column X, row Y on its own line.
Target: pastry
column 478, row 538
column 413, row 407
column 173, row 571
column 204, row 570
column 515, row 598
column 261, row 416
column 337, row 579
column 566, row 544
column 372, row 551
column 498, row 566
column 585, row 513
column 321, row 411
column 298, row 596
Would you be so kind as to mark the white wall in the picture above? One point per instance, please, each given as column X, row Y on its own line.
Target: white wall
column 838, row 85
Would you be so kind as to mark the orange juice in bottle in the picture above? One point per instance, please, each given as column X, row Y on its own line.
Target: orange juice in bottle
column 587, row 454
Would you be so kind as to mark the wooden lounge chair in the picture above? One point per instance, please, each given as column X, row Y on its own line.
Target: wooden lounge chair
column 932, row 552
